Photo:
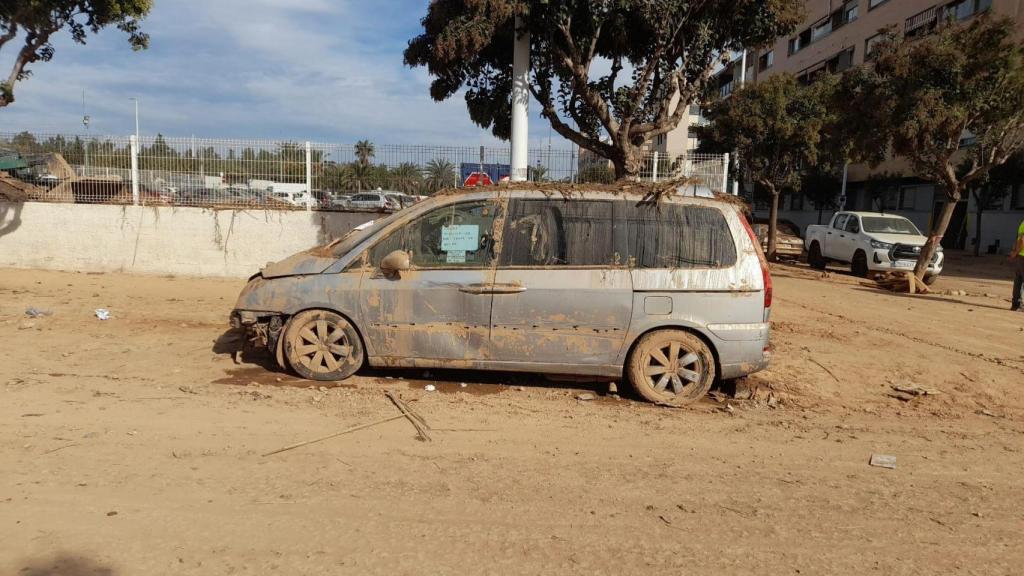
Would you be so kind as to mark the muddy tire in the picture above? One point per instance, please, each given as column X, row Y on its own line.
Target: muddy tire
column 322, row 345
column 859, row 266
column 671, row 367
column 814, row 257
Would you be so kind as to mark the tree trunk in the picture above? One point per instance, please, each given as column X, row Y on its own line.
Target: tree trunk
column 627, row 162
column 977, row 232
column 937, row 232
column 773, row 223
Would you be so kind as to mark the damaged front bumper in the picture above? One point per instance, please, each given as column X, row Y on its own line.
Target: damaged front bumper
column 262, row 329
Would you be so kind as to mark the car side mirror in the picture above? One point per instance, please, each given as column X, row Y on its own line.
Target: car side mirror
column 397, row 261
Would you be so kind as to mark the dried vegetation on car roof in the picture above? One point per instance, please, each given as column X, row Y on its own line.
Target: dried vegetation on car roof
column 648, row 191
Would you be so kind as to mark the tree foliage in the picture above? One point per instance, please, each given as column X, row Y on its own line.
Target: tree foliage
column 659, row 57
column 36, row 21
column 775, row 126
column 955, row 96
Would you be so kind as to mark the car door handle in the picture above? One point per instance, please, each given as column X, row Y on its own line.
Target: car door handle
column 492, row 288
column 829, row 233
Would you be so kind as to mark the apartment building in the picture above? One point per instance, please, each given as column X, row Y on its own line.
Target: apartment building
column 836, row 35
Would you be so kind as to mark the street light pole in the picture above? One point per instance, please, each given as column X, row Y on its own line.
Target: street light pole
column 520, row 101
column 136, row 100
column 85, row 122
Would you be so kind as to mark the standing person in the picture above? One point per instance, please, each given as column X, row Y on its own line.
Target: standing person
column 1017, row 257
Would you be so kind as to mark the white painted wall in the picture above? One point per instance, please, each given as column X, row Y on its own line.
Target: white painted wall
column 160, row 239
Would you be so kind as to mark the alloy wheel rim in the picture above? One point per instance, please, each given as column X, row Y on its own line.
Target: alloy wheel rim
column 323, row 346
column 673, row 369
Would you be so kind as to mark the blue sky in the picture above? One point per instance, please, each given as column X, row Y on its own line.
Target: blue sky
column 321, row 70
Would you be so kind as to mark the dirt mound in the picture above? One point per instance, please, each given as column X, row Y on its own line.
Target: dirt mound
column 14, row 190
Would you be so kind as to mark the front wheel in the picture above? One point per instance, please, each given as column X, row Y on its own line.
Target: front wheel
column 322, row 345
column 859, row 267
column 671, row 367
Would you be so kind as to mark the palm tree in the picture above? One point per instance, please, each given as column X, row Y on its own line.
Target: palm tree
column 364, row 151
column 360, row 176
column 440, row 174
column 406, row 177
column 538, row 173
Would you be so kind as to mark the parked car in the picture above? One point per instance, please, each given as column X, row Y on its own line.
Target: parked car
column 787, row 238
column 670, row 295
column 402, row 200
column 373, row 201
column 870, row 241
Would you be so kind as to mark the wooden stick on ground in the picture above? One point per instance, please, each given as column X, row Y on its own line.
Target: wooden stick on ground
column 414, row 413
column 336, row 434
column 825, row 368
column 421, row 430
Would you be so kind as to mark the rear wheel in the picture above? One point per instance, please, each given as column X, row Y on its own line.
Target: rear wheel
column 322, row 345
column 814, row 257
column 859, row 267
column 671, row 367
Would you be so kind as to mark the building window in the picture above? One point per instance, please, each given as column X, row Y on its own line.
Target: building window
column 870, row 43
column 908, row 194
column 766, row 61
column 921, row 23
column 821, row 30
column 891, row 200
column 796, row 201
column 1017, row 198
column 872, row 4
column 964, row 9
column 851, row 13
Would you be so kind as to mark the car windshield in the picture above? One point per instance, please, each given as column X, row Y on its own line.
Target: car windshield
column 346, row 243
column 889, row 225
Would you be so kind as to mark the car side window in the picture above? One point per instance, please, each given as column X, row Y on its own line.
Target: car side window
column 671, row 235
column 840, row 223
column 560, row 232
column 853, row 225
column 454, row 236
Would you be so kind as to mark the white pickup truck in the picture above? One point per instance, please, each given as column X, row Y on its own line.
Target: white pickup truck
column 869, row 241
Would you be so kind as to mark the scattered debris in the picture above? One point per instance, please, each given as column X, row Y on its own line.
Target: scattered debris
column 34, row 312
column 718, row 396
column 417, row 421
column 462, row 384
column 901, row 282
column 883, row 461
column 430, row 388
column 187, row 390
column 102, row 313
column 915, row 390
column 112, row 513
column 613, row 388
column 585, row 396
column 728, row 409
column 825, row 368
column 336, row 434
column 986, row 412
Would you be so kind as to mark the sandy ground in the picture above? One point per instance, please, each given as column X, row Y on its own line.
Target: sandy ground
column 133, row 446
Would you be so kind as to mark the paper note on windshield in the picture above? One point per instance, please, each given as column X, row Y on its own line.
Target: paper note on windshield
column 456, row 257
column 460, row 237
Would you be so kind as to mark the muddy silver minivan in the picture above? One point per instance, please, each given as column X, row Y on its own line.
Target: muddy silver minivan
column 669, row 294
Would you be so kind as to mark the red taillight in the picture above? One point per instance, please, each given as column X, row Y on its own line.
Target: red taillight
column 766, row 274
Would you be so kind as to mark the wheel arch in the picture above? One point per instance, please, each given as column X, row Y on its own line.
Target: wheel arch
column 350, row 318
column 674, row 326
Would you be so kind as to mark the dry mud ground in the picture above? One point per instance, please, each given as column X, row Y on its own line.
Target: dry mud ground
column 133, row 446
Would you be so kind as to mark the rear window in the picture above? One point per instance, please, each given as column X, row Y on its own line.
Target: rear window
column 678, row 236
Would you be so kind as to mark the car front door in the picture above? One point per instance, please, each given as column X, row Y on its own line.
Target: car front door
column 562, row 295
column 835, row 238
column 435, row 310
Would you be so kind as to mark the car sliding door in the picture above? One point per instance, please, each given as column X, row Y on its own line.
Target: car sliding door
column 562, row 292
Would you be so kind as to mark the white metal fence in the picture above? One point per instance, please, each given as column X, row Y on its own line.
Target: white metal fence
column 290, row 174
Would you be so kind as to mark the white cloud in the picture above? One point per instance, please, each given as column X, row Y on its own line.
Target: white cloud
column 322, row 70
